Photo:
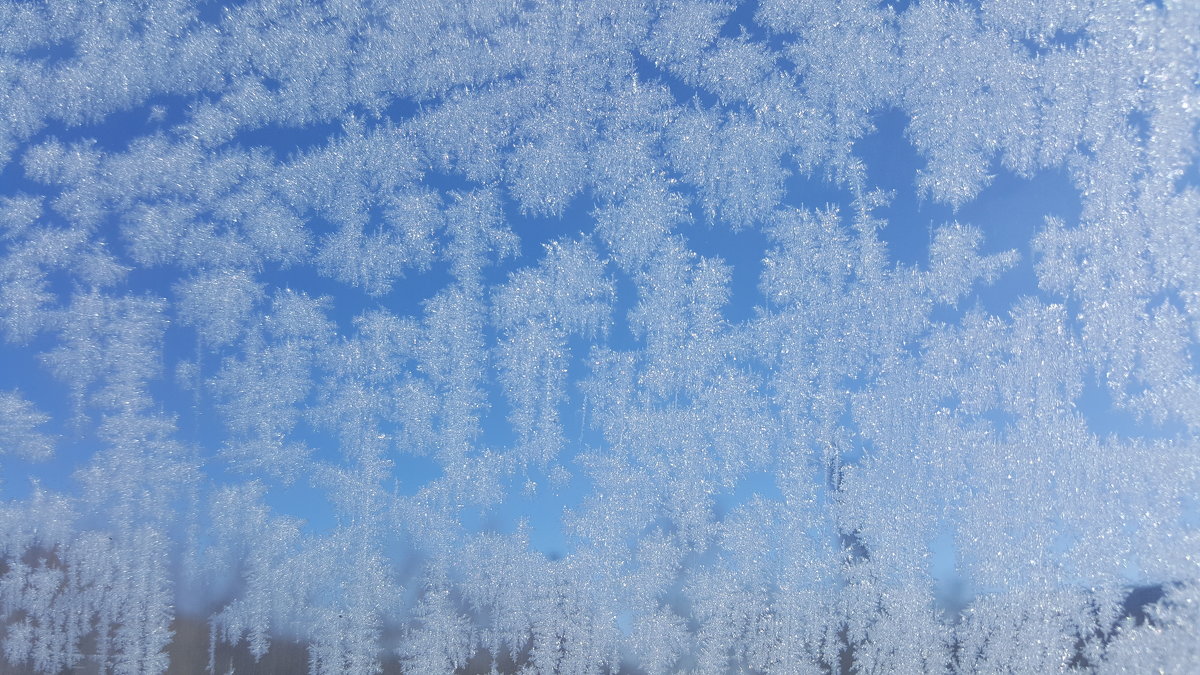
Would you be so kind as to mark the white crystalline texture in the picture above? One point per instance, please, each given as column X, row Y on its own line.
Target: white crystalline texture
column 589, row 337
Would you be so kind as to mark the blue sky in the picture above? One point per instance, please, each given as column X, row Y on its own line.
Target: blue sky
column 444, row 286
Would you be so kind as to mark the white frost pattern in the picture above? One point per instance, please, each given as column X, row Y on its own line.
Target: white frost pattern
column 469, row 277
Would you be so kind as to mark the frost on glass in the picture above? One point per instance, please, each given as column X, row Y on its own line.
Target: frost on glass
column 595, row 337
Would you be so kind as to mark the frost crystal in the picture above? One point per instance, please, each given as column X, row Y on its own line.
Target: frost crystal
column 600, row 336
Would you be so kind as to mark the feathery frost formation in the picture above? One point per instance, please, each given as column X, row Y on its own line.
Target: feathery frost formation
column 419, row 336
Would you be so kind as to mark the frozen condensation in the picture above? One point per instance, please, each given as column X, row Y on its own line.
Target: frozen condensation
column 600, row 336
